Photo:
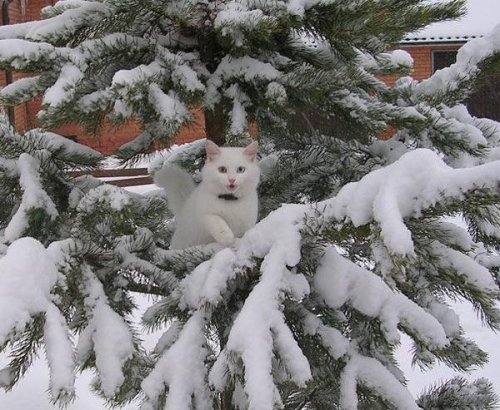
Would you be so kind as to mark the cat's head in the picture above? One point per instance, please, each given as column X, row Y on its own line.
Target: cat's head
column 231, row 170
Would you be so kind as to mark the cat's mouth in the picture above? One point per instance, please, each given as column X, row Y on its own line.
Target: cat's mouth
column 231, row 187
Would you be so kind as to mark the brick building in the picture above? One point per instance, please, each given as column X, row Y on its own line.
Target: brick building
column 24, row 116
column 430, row 54
column 429, row 51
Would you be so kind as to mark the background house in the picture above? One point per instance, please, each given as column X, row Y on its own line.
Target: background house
column 432, row 48
column 436, row 47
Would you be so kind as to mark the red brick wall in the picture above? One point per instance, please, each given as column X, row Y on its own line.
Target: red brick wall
column 17, row 11
column 110, row 138
column 34, row 8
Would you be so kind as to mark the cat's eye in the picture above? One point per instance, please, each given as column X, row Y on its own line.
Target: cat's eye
column 240, row 170
column 222, row 170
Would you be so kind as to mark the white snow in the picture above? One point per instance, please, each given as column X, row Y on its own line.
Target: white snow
column 108, row 334
column 234, row 19
column 31, row 395
column 182, row 369
column 21, row 86
column 169, row 107
column 411, row 184
column 140, row 73
column 259, row 327
column 336, row 343
column 466, row 66
column 416, row 181
column 208, row 280
column 28, row 274
column 97, row 98
column 21, row 53
column 389, row 60
column 233, row 68
column 118, row 198
column 277, row 92
column 340, row 281
column 65, row 24
column 238, row 118
column 59, row 353
column 63, row 89
column 34, row 197
column 55, row 142
column 372, row 373
column 298, row 7
column 465, row 266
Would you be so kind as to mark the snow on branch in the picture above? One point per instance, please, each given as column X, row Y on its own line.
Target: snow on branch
column 169, row 107
column 100, row 47
column 387, row 61
column 139, row 144
column 235, row 19
column 278, row 233
column 62, row 147
column 28, row 274
column 339, row 281
column 107, row 334
column 21, row 90
column 371, row 373
column 299, row 7
column 182, row 369
column 59, row 352
column 466, row 68
column 419, row 180
column 124, row 249
column 141, row 74
column 183, row 76
column 207, row 282
column 34, row 197
column 238, row 118
column 69, row 21
column 470, row 270
column 116, row 198
column 245, row 68
column 61, row 6
column 23, row 54
column 19, row 30
column 63, row 90
column 260, row 329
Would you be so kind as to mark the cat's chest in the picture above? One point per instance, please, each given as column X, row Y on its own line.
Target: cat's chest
column 239, row 214
column 232, row 210
column 239, row 217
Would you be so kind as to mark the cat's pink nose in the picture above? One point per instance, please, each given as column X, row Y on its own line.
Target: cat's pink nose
column 232, row 180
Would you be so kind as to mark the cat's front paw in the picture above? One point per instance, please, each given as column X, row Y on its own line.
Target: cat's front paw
column 225, row 238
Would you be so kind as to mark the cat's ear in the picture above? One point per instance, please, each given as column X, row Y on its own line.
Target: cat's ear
column 212, row 149
column 251, row 151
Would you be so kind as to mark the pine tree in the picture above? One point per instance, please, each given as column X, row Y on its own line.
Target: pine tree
column 353, row 247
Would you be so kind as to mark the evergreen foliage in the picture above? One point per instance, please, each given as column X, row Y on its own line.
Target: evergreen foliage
column 306, row 310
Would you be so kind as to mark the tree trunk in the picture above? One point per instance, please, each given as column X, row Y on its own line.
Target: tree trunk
column 226, row 399
column 215, row 126
column 211, row 56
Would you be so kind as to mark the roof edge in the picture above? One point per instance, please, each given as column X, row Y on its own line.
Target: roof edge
column 438, row 39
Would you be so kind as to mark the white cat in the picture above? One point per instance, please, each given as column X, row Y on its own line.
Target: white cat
column 223, row 206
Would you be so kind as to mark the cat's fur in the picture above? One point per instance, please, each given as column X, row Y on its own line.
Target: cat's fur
column 202, row 215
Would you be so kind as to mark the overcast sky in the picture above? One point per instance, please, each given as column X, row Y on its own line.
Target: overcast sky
column 481, row 17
